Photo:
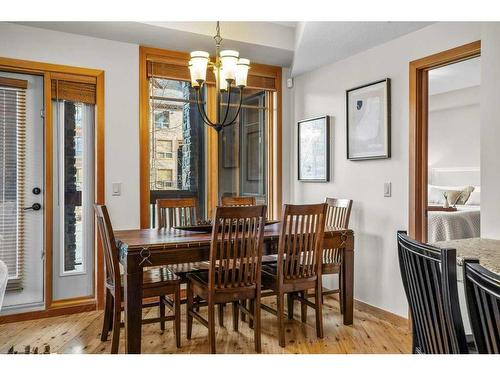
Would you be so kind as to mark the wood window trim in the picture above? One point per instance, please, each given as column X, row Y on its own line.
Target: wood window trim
column 48, row 72
column 181, row 59
column 418, row 133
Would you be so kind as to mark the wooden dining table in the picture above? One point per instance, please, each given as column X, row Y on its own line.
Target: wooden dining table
column 158, row 247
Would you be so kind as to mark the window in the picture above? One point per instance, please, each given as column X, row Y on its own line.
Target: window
column 165, row 149
column 162, row 119
column 165, row 178
column 12, row 156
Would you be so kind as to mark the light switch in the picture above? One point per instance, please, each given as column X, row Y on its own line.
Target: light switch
column 387, row 189
column 117, row 188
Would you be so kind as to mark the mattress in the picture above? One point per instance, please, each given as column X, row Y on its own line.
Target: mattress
column 446, row 226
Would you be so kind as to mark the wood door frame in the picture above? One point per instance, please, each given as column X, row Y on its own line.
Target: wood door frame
column 47, row 71
column 419, row 130
column 274, row 183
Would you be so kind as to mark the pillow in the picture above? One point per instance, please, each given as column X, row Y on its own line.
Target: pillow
column 455, row 197
column 477, row 188
column 435, row 192
column 474, row 198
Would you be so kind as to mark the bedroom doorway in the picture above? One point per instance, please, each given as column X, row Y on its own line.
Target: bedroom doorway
column 444, row 150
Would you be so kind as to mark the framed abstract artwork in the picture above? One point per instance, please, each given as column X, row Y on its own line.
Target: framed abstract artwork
column 369, row 121
column 314, row 149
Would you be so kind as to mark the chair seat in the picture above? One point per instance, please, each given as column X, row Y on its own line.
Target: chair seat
column 199, row 281
column 153, row 278
column 183, row 269
column 270, row 280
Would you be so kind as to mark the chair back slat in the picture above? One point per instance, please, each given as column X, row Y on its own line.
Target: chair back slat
column 111, row 256
column 337, row 215
column 237, row 201
column 482, row 294
column 173, row 212
column 236, row 246
column 301, row 241
column 430, row 283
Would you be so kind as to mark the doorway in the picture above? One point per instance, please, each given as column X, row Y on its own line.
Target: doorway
column 419, row 131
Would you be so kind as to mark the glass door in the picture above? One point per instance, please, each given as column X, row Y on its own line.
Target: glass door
column 21, row 190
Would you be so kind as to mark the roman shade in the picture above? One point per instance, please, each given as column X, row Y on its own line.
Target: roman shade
column 12, row 176
column 78, row 89
column 258, row 78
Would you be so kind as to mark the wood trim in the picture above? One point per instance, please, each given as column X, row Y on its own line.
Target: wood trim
column 258, row 71
column 382, row 314
column 49, row 313
column 417, row 225
column 12, row 82
column 49, row 71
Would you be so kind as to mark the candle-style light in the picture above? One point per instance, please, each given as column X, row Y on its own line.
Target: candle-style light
column 230, row 72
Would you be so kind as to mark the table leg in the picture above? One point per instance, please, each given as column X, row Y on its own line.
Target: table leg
column 348, row 281
column 133, row 305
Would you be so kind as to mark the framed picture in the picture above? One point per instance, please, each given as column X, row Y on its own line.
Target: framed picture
column 314, row 149
column 369, row 121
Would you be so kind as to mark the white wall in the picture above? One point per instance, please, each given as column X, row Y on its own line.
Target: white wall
column 120, row 61
column 454, row 128
column 490, row 131
column 375, row 219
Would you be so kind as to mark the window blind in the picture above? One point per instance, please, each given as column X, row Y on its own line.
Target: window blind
column 12, row 169
column 256, row 80
column 78, row 92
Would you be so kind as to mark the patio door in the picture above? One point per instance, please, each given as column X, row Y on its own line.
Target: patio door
column 21, row 190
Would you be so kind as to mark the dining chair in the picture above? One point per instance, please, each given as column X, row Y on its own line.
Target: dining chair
column 482, row 295
column 430, row 282
column 157, row 282
column 298, row 266
column 337, row 216
column 173, row 212
column 237, row 201
column 235, row 270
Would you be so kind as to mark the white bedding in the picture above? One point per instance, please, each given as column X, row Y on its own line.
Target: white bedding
column 445, row 226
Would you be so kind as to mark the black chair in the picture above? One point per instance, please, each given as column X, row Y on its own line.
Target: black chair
column 430, row 281
column 482, row 294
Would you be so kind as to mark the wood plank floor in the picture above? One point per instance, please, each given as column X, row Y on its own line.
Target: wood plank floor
column 80, row 333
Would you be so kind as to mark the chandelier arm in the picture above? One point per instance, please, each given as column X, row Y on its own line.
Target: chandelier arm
column 228, row 105
column 237, row 112
column 204, row 116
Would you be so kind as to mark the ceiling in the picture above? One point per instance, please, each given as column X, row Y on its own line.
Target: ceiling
column 287, row 44
column 455, row 76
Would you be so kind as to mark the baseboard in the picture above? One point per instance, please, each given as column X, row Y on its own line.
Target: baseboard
column 65, row 310
column 382, row 314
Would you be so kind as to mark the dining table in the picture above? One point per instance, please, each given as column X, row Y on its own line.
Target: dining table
column 162, row 247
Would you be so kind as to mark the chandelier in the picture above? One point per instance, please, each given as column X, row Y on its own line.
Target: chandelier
column 230, row 72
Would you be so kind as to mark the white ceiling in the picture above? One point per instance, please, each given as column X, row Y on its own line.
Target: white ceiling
column 303, row 46
column 455, row 76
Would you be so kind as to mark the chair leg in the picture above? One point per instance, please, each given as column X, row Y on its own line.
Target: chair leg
column 303, row 307
column 211, row 326
column 221, row 314
column 257, row 325
column 236, row 313
column 341, row 294
column 115, row 341
column 189, row 310
column 319, row 310
column 108, row 315
column 243, row 303
column 251, row 304
column 281, row 324
column 290, row 303
column 162, row 314
column 177, row 317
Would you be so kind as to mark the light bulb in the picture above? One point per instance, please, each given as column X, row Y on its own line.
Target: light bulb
column 242, row 72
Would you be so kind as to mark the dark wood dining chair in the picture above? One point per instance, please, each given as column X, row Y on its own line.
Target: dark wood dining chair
column 235, row 270
column 158, row 282
column 482, row 295
column 430, row 282
column 298, row 267
column 237, row 201
column 173, row 212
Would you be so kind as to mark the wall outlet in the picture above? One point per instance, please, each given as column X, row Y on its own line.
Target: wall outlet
column 387, row 189
column 117, row 188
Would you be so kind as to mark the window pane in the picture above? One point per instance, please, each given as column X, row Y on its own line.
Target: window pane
column 176, row 143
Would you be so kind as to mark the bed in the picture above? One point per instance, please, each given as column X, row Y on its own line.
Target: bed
column 465, row 221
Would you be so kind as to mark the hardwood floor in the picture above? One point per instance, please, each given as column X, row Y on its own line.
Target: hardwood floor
column 372, row 332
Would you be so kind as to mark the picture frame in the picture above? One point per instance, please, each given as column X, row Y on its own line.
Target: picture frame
column 368, row 121
column 313, row 149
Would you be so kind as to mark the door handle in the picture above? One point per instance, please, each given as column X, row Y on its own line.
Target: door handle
column 34, row 207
